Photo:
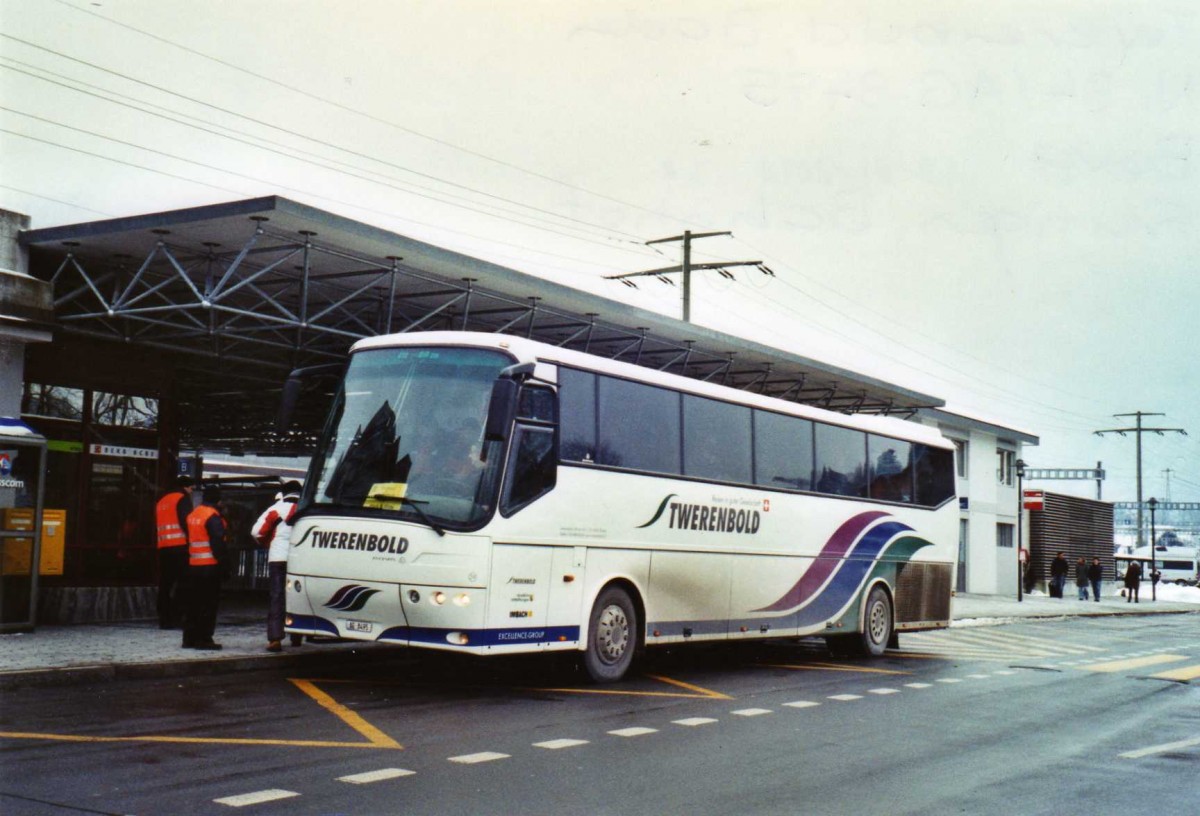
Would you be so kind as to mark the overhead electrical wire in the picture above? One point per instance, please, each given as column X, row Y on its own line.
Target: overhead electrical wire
column 788, row 284
column 251, row 178
column 74, row 204
column 331, row 145
column 883, row 316
column 431, row 195
column 757, row 322
column 1083, row 421
column 366, row 115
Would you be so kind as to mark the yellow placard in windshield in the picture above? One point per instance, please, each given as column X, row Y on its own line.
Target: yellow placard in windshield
column 386, row 495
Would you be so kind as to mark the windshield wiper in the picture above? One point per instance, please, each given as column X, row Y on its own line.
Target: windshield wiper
column 415, row 504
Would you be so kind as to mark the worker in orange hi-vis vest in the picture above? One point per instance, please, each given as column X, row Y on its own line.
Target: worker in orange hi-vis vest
column 171, row 514
column 206, row 533
column 272, row 530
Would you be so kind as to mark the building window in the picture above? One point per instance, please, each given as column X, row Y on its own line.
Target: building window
column 1004, row 535
column 53, row 401
column 1005, row 473
column 960, row 457
column 124, row 410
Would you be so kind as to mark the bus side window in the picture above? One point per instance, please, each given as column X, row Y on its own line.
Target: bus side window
column 577, row 408
column 935, row 474
column 533, row 471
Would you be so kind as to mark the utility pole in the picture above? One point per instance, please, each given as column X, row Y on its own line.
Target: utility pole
column 1139, row 430
column 1168, row 473
column 687, row 267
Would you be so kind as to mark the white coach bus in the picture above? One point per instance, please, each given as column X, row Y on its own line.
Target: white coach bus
column 489, row 494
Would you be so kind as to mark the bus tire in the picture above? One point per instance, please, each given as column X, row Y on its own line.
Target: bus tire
column 877, row 633
column 612, row 636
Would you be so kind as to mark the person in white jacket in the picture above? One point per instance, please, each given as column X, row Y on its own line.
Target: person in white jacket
column 272, row 530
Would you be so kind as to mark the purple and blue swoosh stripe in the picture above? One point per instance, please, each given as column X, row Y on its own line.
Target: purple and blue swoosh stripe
column 840, row 568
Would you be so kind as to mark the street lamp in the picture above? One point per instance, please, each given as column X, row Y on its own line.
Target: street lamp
column 1153, row 502
column 1020, row 517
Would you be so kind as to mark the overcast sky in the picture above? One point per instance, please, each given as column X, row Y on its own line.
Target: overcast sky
column 996, row 203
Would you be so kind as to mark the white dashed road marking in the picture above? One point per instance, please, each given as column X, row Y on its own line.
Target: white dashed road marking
column 633, row 732
column 845, row 697
column 918, row 685
column 554, row 745
column 751, row 712
column 375, row 776
column 475, row 759
column 1161, row 749
column 948, row 680
column 256, row 798
column 884, row 691
column 694, row 721
column 801, row 704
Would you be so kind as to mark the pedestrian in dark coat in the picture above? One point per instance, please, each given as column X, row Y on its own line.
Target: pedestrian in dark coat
column 171, row 514
column 1133, row 579
column 1095, row 575
column 1059, row 568
column 1081, row 578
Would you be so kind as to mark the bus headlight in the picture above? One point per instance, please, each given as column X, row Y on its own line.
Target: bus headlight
column 439, row 598
column 462, row 599
column 457, row 638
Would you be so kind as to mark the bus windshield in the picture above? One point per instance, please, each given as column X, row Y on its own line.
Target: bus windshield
column 405, row 437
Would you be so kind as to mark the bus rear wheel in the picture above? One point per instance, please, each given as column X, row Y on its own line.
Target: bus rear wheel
column 878, row 629
column 612, row 636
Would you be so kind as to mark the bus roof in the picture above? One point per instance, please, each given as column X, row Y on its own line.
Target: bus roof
column 532, row 351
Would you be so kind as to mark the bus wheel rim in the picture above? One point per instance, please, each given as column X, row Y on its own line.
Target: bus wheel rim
column 877, row 624
column 612, row 633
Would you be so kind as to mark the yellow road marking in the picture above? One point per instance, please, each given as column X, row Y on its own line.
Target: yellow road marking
column 375, row 737
column 832, row 667
column 350, row 718
column 703, row 692
column 697, row 691
column 1182, row 673
column 1133, row 663
column 957, row 655
column 201, row 740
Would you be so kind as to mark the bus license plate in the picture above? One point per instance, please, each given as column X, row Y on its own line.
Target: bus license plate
column 359, row 626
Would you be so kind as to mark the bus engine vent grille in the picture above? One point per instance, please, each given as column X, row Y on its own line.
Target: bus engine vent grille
column 923, row 593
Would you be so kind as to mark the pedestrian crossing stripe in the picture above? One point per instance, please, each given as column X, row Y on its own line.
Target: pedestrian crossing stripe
column 983, row 645
column 1183, row 674
column 1132, row 663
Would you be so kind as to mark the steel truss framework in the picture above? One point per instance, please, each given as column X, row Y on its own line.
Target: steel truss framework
column 245, row 314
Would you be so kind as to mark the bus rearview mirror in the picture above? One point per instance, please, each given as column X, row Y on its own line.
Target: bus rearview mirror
column 501, row 410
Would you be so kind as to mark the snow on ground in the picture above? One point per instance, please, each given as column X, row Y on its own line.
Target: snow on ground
column 1170, row 592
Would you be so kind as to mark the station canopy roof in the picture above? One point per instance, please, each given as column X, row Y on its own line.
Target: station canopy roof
column 233, row 296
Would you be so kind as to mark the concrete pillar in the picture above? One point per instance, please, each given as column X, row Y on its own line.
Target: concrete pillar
column 26, row 311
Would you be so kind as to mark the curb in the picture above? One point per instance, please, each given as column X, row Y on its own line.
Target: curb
column 1002, row 618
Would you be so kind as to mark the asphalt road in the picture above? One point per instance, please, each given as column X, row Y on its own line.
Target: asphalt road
column 1099, row 715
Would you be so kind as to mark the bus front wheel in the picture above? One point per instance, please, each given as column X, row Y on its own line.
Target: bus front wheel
column 612, row 636
column 878, row 629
